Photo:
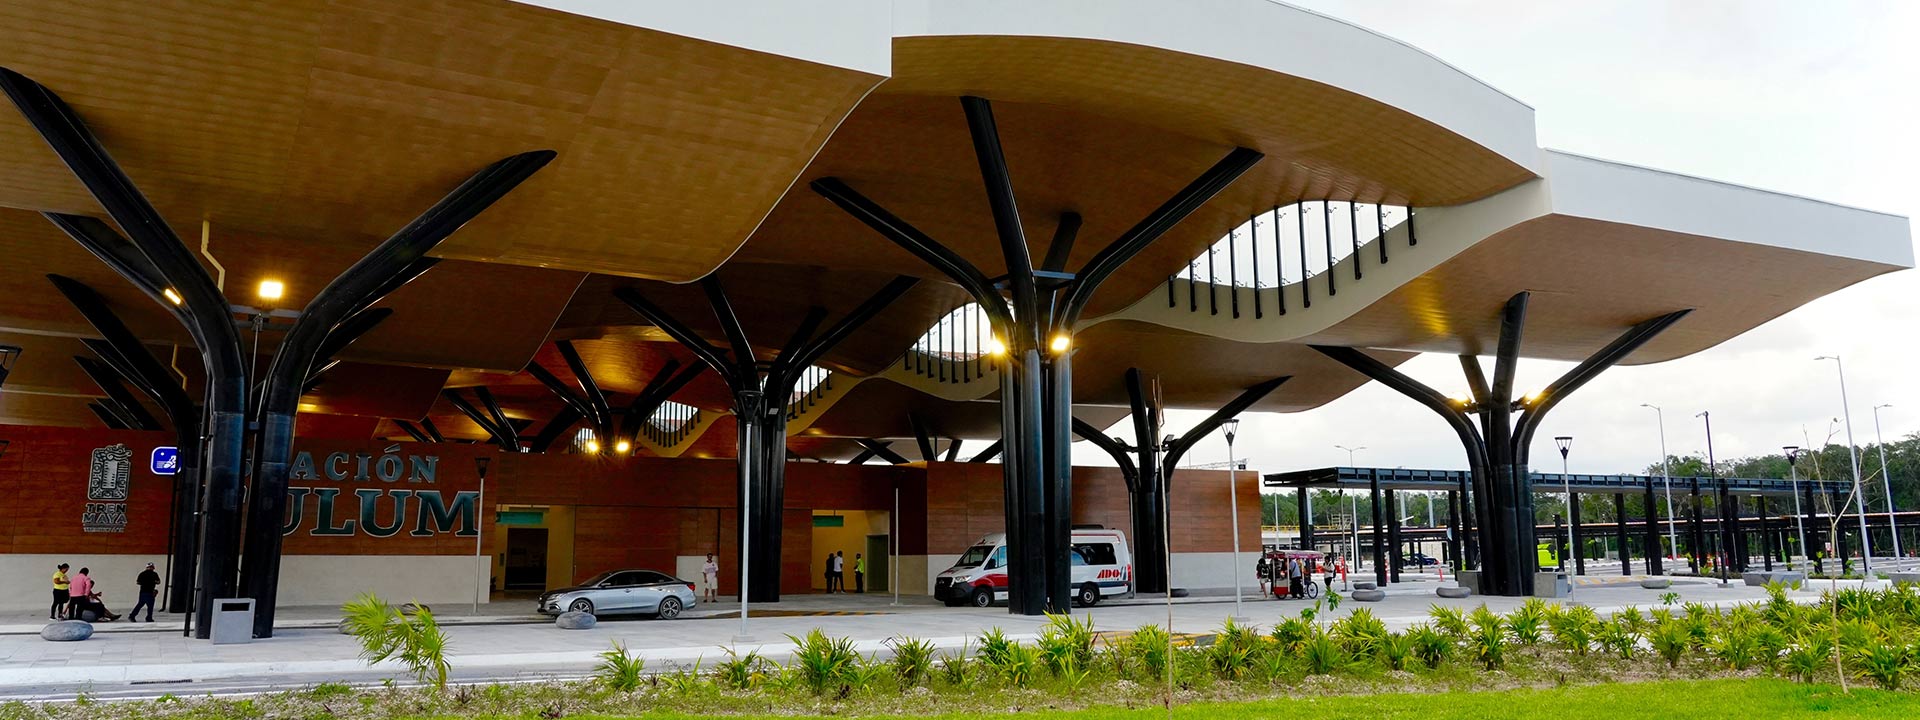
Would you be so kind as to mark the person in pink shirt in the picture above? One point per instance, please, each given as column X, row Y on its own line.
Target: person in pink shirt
column 82, row 587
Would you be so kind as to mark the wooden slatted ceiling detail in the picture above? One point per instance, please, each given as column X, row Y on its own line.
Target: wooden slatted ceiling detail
column 771, row 300
column 313, row 119
column 1348, row 145
column 459, row 314
column 1569, row 263
column 1198, row 372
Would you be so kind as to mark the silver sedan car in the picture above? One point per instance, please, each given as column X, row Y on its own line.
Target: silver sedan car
column 623, row 592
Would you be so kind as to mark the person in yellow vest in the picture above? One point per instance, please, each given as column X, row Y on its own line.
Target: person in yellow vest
column 859, row 573
column 60, row 597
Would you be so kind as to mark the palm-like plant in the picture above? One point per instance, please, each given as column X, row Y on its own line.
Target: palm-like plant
column 408, row 634
column 1394, row 649
column 620, row 670
column 1360, row 633
column 1487, row 644
column 1432, row 646
column 1885, row 663
column 1322, row 654
column 1449, row 620
column 912, row 660
column 1808, row 655
column 1618, row 637
column 823, row 663
column 1671, row 640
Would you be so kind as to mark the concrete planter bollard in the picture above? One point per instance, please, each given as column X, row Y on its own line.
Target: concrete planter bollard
column 1905, row 578
column 1369, row 595
column 1658, row 583
column 1454, row 593
column 1364, row 585
column 575, row 620
column 67, row 631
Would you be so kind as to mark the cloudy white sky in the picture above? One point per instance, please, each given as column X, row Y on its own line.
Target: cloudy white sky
column 1814, row 99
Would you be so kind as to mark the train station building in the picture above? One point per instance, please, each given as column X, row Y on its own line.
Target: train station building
column 308, row 298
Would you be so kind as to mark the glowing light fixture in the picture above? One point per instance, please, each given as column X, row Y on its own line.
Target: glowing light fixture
column 622, row 447
column 271, row 290
column 1061, row 342
column 173, row 297
column 593, row 446
column 995, row 347
column 1532, row 398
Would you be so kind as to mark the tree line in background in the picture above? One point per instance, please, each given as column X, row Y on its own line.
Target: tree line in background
column 1830, row 462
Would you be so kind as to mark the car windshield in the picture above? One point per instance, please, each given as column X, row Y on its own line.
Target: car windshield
column 974, row 556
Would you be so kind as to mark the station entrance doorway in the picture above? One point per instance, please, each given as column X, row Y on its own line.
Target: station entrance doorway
column 855, row 535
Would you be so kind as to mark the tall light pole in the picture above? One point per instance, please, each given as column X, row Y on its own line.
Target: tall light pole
column 1720, row 500
column 1353, row 510
column 1799, row 521
column 1666, row 478
column 1853, row 454
column 1886, row 481
column 1565, row 443
column 483, row 571
column 1231, row 428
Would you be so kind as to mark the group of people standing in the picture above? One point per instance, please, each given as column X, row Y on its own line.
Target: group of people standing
column 837, row 576
column 76, row 593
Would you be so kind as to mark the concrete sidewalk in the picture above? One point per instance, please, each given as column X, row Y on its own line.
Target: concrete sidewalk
column 498, row 645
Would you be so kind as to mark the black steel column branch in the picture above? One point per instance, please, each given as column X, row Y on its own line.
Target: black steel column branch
column 131, row 412
column 1036, row 391
column 504, row 436
column 125, row 353
column 1379, row 520
column 205, row 311
column 1620, row 532
column 1578, row 537
column 556, row 427
column 347, row 294
column 1651, row 546
column 1149, row 497
column 760, row 412
column 871, row 446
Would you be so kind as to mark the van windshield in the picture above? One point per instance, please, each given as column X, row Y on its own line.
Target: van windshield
column 974, row 556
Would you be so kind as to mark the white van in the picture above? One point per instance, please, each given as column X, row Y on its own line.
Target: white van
column 1102, row 567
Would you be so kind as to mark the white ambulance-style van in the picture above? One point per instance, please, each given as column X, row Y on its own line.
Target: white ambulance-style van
column 1102, row 568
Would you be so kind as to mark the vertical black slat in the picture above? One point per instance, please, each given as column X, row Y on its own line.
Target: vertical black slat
column 1412, row 239
column 940, row 342
column 1253, row 243
column 1353, row 232
column 1193, row 287
column 1326, row 232
column 1380, row 212
column 1213, row 288
column 1279, row 266
column 1306, row 277
column 1233, row 270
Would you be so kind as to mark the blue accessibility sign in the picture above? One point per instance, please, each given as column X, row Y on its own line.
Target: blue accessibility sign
column 166, row 460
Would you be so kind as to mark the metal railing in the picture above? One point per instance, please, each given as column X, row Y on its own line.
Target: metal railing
column 1318, row 234
column 671, row 424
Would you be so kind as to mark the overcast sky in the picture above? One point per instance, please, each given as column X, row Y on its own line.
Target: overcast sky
column 1814, row 99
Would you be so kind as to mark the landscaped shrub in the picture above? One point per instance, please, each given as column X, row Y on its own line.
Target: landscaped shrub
column 1066, row 644
column 1232, row 652
column 741, row 672
column 1449, row 620
column 1291, row 632
column 1150, row 649
column 1432, row 646
column 1487, row 643
column 821, row 663
column 956, row 669
column 1527, row 625
column 1885, row 663
column 408, row 634
column 912, row 660
column 1360, row 633
column 1618, row 637
column 1394, row 650
column 1322, row 654
column 1573, row 628
column 1810, row 655
column 1671, row 640
column 620, row 670
column 1736, row 648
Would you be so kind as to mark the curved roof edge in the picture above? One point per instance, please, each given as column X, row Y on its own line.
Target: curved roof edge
column 851, row 34
column 1592, row 188
column 1264, row 34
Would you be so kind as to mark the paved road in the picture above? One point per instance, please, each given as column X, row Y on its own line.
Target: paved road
column 501, row 645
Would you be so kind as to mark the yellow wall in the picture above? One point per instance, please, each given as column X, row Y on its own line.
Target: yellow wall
column 849, row 538
column 558, row 520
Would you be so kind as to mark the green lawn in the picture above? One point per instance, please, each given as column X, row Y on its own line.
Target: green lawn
column 1691, row 700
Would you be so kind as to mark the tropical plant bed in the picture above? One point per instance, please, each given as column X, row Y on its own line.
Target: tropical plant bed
column 1666, row 658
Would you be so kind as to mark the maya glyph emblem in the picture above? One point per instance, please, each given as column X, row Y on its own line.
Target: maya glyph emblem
column 112, row 474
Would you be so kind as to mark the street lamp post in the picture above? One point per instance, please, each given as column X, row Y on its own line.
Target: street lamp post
column 483, row 572
column 1853, row 454
column 1666, row 478
column 1353, row 510
column 1886, row 481
column 1565, row 443
column 1799, row 520
column 1232, row 428
column 1713, row 473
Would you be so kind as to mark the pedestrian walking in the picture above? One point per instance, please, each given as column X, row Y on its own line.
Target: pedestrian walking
column 80, row 589
column 711, row 573
column 61, row 598
column 840, row 571
column 829, row 572
column 149, row 582
column 859, row 573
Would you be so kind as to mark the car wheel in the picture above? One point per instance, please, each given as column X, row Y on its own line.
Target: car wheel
column 1089, row 594
column 582, row 605
column 983, row 597
column 669, row 608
